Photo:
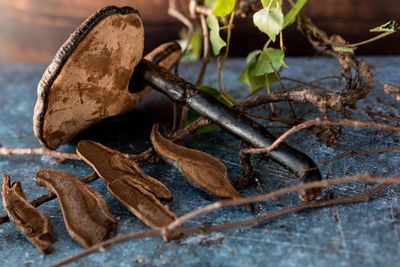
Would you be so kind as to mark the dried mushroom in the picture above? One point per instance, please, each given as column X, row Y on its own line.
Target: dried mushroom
column 90, row 75
column 29, row 221
column 134, row 189
column 201, row 169
column 86, row 214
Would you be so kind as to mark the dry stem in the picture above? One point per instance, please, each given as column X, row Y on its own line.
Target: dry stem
column 38, row 151
column 320, row 122
column 176, row 225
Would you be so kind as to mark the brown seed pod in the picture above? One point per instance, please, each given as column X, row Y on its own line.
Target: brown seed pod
column 141, row 203
column 201, row 169
column 89, row 76
column 112, row 165
column 29, row 221
column 86, row 214
column 134, row 189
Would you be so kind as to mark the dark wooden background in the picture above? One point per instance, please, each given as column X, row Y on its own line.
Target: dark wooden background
column 32, row 30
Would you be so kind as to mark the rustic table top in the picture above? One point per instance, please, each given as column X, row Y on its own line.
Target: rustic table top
column 365, row 234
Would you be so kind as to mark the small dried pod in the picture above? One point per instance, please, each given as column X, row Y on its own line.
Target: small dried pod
column 112, row 165
column 202, row 169
column 29, row 221
column 143, row 204
column 86, row 214
column 134, row 189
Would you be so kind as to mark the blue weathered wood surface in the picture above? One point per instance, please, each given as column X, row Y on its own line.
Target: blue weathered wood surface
column 366, row 234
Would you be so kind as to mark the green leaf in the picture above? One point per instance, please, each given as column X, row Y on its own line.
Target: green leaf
column 223, row 7
column 268, row 60
column 276, row 56
column 269, row 3
column 254, row 82
column 192, row 116
column 344, row 49
column 390, row 26
column 259, row 71
column 252, row 55
column 262, row 66
column 290, row 17
column 224, row 98
column 195, row 47
column 269, row 21
column 217, row 42
column 209, row 3
column 258, row 82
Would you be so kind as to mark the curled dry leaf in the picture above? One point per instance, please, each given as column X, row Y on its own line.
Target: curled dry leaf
column 86, row 214
column 30, row 222
column 113, row 165
column 200, row 168
column 134, row 189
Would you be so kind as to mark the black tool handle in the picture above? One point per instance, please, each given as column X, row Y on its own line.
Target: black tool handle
column 178, row 90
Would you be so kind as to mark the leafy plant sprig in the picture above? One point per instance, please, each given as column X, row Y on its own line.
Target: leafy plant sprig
column 263, row 66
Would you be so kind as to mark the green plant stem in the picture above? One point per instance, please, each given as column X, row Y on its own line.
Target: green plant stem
column 373, row 39
column 225, row 55
column 281, row 33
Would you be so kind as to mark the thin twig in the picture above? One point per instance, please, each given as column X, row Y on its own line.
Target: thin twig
column 174, row 12
column 373, row 39
column 38, row 151
column 278, row 193
column 357, row 153
column 221, row 58
column 321, row 122
column 363, row 197
column 206, row 50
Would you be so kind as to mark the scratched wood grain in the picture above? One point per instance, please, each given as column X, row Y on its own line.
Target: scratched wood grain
column 33, row 30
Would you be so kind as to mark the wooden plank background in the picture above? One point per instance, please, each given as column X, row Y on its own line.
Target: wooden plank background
column 33, row 30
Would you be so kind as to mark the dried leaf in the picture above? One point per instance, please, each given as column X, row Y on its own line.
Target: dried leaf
column 134, row 189
column 200, row 168
column 86, row 214
column 29, row 221
column 112, row 165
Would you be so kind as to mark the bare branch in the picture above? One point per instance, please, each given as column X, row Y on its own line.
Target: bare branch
column 176, row 226
column 37, row 151
column 320, row 122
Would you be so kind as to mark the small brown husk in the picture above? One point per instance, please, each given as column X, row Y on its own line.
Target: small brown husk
column 134, row 189
column 112, row 165
column 29, row 221
column 200, row 168
column 141, row 203
column 86, row 214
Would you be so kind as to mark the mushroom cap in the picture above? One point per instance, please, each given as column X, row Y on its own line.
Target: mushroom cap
column 88, row 78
